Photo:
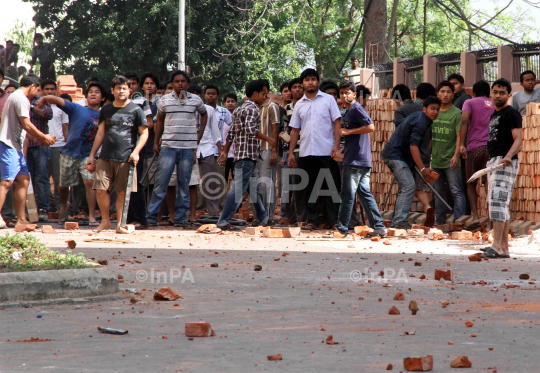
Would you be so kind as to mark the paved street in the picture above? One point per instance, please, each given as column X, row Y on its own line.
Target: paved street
column 289, row 307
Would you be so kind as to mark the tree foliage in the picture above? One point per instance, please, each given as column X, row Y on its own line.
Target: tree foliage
column 229, row 43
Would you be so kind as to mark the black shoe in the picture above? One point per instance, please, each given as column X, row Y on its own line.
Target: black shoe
column 255, row 223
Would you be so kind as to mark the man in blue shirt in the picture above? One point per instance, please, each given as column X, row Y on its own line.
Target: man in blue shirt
column 357, row 163
column 82, row 129
column 401, row 153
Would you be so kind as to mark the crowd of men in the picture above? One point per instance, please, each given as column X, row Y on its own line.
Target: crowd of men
column 313, row 150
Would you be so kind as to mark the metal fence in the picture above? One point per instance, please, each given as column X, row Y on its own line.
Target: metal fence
column 447, row 64
column 486, row 64
column 414, row 71
column 384, row 73
column 525, row 57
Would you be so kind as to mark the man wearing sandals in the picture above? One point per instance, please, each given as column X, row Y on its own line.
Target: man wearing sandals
column 505, row 138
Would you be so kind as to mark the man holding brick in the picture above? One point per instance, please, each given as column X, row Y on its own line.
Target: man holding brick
column 505, row 139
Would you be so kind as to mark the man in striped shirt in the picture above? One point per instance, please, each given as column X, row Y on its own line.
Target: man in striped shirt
column 176, row 139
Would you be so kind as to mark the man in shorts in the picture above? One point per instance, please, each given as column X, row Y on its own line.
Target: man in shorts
column 13, row 168
column 505, row 139
column 82, row 129
column 119, row 124
column 475, row 119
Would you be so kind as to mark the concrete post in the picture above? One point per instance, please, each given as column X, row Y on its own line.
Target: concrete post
column 504, row 62
column 399, row 72
column 468, row 68
column 430, row 69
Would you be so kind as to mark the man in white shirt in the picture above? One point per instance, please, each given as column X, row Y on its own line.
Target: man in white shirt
column 318, row 116
column 353, row 74
column 224, row 122
column 58, row 126
column 207, row 161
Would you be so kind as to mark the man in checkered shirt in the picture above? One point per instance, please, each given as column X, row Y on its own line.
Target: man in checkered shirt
column 244, row 136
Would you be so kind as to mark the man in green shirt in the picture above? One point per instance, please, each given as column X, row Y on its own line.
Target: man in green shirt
column 445, row 153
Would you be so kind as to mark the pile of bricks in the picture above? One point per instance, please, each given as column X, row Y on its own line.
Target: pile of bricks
column 67, row 84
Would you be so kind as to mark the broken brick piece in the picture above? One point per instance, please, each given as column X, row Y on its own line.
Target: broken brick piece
column 199, row 329
column 375, row 239
column 469, row 324
column 71, row 244
column 48, row 229
column 338, row 235
column 25, row 228
column 462, row 236
column 415, row 232
column 253, row 230
column 294, row 231
column 274, row 357
column 461, row 362
column 399, row 296
column 413, row 307
column 166, row 293
column 394, row 232
column 71, row 225
column 387, row 242
column 103, row 262
column 389, row 367
column 393, row 311
column 330, row 340
column 276, row 233
column 445, row 304
column 475, row 257
column 445, row 274
column 418, row 364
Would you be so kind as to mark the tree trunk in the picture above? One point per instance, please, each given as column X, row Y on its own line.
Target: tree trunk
column 319, row 65
column 375, row 32
column 392, row 29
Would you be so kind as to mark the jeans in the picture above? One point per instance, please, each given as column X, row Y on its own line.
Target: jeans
column 38, row 165
column 316, row 166
column 267, row 183
column 449, row 178
column 137, row 201
column 405, row 180
column 244, row 170
column 285, row 193
column 356, row 180
column 168, row 158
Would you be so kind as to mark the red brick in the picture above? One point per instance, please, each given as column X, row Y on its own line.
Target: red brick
column 199, row 329
column 276, row 233
column 376, row 239
column 254, row 230
column 443, row 273
column 204, row 227
column 25, row 228
column 418, row 364
column 463, row 235
column 71, row 225
column 166, row 293
column 415, row 232
column 393, row 311
column 71, row 244
column 399, row 296
column 338, row 235
column 461, row 362
column 457, row 226
column 469, row 324
column 396, row 232
column 445, row 304
column 48, row 229
column 53, row 215
column 420, row 226
column 475, row 257
column 362, row 230
column 274, row 357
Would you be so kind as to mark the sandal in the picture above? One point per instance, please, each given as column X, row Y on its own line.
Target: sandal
column 166, row 223
column 484, row 249
column 492, row 254
column 93, row 224
column 64, row 218
column 310, row 227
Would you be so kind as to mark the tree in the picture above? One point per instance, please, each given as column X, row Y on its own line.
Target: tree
column 22, row 34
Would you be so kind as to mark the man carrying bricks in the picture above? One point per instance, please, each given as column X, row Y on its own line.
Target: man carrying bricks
column 401, row 153
column 505, row 138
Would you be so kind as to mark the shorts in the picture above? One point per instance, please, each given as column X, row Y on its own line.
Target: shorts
column 71, row 168
column 195, row 176
column 477, row 160
column 12, row 163
column 117, row 173
column 153, row 172
column 420, row 183
column 500, row 186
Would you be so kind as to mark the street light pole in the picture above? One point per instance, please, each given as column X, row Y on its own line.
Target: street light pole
column 181, row 34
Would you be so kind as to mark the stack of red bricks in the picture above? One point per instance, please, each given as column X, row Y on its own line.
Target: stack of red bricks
column 67, row 84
